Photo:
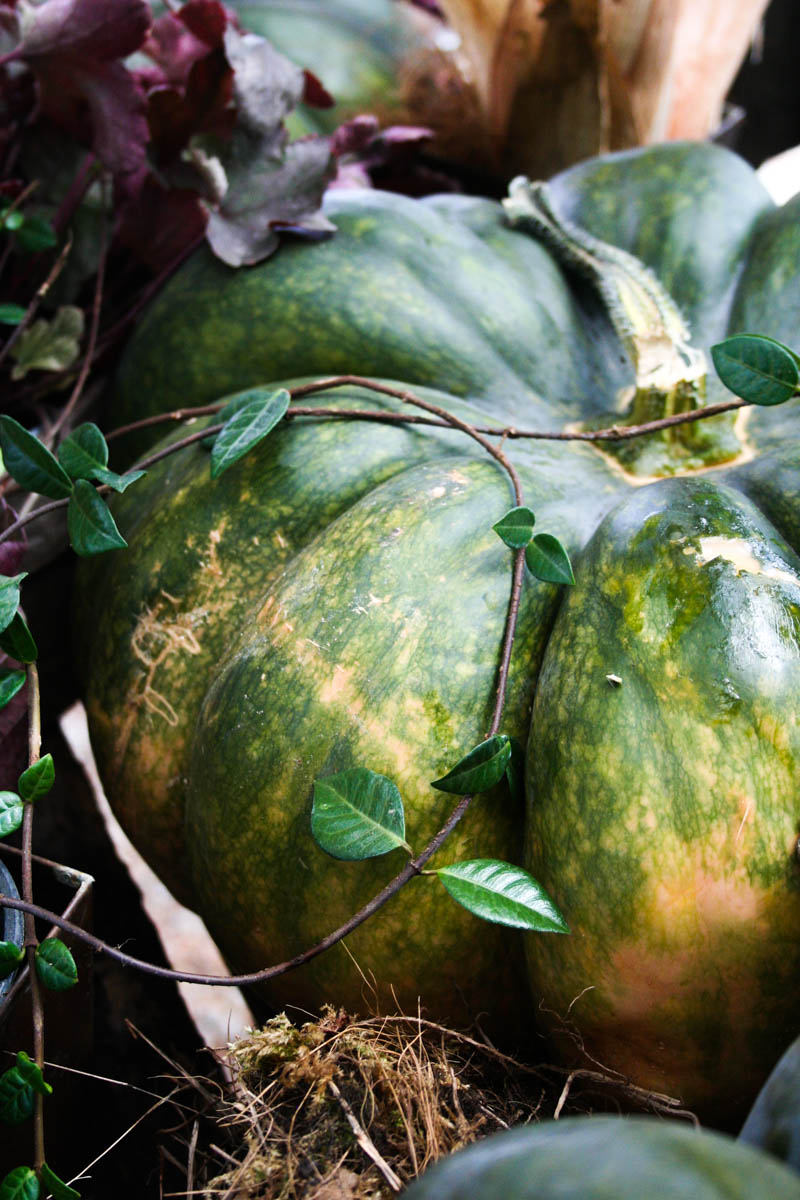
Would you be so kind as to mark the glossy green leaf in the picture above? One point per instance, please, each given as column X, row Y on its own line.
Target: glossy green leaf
column 119, row 483
column 12, row 220
column 11, row 955
column 503, row 894
column 83, row 451
column 30, row 462
column 35, row 234
column 548, row 560
column 38, row 779
column 516, row 527
column 515, row 771
column 17, row 641
column 11, row 813
column 357, row 814
column 9, row 598
column 246, row 428
column 32, row 1075
column 758, row 369
column 58, row 1189
column 55, row 965
column 11, row 314
column 17, row 1097
column 11, row 682
column 20, row 1184
column 479, row 770
column 91, row 527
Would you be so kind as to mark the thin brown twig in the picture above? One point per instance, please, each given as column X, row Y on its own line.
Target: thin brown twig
column 31, row 940
column 409, row 871
column 611, row 433
column 41, row 292
column 94, row 326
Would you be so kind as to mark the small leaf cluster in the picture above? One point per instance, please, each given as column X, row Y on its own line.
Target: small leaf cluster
column 82, row 462
column 22, row 1184
column 31, row 233
column 359, row 814
column 545, row 557
column 19, row 1087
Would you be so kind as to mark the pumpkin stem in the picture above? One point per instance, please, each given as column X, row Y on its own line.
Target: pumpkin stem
column 669, row 373
column 644, row 315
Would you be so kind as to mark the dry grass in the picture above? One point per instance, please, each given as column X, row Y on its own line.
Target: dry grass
column 354, row 1109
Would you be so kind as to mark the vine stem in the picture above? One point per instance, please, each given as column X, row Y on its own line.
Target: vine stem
column 614, row 433
column 437, row 416
column 31, row 940
column 409, row 871
column 414, row 866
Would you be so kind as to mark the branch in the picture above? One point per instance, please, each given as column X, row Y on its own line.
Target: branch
column 409, row 871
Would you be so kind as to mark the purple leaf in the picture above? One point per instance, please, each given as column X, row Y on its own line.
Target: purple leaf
column 179, row 40
column 89, row 31
column 354, row 136
column 285, row 195
column 271, row 185
column 76, row 47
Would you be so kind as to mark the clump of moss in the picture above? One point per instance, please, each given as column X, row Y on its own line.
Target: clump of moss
column 353, row 1109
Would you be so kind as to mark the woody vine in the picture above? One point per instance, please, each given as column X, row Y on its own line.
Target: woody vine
column 191, row 136
column 356, row 814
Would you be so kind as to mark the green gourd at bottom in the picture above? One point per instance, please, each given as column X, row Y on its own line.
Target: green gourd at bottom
column 607, row 1158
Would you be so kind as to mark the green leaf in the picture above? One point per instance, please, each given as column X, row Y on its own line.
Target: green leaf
column 9, row 598
column 56, row 1186
column 11, row 955
column 246, row 428
column 515, row 770
column 90, row 525
column 11, row 314
column 38, row 779
column 357, row 814
column 20, row 1184
column 30, row 462
column 118, row 482
column 49, row 345
column 36, row 234
column 548, row 560
column 17, row 641
column 11, row 813
column 13, row 220
column 55, row 965
column 32, row 1075
column 17, row 1097
column 83, row 451
column 11, row 682
column 479, row 770
column 758, row 369
column 503, row 894
column 516, row 527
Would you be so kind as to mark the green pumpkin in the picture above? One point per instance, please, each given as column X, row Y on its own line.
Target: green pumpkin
column 338, row 599
column 606, row 1158
column 355, row 47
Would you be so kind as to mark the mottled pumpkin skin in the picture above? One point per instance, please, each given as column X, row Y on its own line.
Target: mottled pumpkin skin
column 355, row 47
column 338, row 599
